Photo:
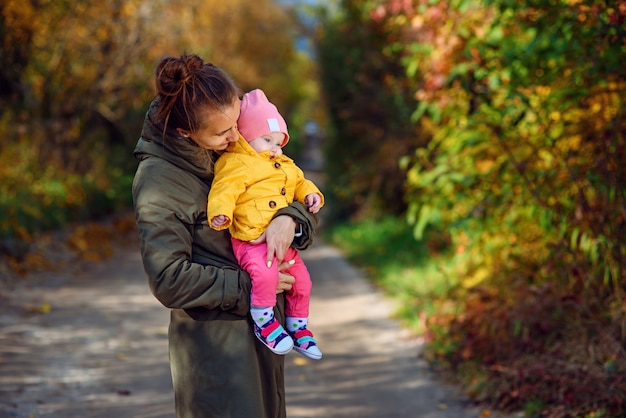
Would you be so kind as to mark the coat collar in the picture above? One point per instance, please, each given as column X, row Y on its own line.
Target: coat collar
column 243, row 147
column 171, row 146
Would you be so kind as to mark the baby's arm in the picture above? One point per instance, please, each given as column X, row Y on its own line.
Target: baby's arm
column 219, row 221
column 313, row 202
column 229, row 183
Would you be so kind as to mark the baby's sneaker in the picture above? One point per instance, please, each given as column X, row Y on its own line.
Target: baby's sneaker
column 274, row 336
column 305, row 344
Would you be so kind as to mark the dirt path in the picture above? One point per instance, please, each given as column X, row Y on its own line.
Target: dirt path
column 370, row 369
column 100, row 351
column 90, row 341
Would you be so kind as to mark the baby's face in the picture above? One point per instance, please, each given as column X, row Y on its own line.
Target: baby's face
column 271, row 142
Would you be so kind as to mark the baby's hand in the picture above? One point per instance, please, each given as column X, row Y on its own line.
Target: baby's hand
column 219, row 221
column 313, row 202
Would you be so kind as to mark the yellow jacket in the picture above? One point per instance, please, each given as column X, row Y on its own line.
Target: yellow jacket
column 249, row 187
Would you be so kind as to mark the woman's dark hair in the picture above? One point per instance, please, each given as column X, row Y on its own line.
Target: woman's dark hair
column 186, row 86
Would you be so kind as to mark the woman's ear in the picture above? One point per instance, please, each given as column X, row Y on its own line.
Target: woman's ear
column 182, row 132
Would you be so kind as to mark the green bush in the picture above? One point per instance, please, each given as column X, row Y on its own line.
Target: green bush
column 35, row 199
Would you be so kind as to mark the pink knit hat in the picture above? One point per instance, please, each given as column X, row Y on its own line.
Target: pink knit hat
column 259, row 116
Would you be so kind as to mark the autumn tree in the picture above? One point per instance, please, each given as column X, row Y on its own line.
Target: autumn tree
column 524, row 103
column 370, row 102
column 77, row 78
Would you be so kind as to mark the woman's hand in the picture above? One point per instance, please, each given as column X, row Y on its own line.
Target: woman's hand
column 285, row 280
column 278, row 236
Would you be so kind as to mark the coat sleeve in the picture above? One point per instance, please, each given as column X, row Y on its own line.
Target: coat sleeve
column 305, row 187
column 304, row 218
column 229, row 183
column 166, row 234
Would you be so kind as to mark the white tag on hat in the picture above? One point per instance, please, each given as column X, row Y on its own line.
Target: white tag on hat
column 273, row 124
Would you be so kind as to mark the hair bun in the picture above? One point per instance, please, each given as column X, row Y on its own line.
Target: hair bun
column 193, row 62
column 186, row 86
column 174, row 73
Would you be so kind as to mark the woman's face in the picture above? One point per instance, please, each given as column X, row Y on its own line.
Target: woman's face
column 220, row 128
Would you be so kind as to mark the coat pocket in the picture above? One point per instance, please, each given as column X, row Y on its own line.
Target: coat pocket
column 265, row 210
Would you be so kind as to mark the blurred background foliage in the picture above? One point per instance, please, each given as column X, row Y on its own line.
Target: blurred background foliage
column 510, row 169
column 76, row 78
column 474, row 158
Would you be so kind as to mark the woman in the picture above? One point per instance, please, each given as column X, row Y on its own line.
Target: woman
column 219, row 368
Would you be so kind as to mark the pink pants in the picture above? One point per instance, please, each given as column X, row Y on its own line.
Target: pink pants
column 253, row 259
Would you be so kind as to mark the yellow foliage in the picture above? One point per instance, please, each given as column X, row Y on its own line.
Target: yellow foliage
column 555, row 115
column 90, row 242
column 36, row 261
column 43, row 308
column 252, row 43
column 87, row 57
column 19, row 16
column 299, row 361
column 543, row 91
column 477, row 277
column 484, row 166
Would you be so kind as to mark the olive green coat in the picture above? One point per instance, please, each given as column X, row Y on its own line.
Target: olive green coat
column 219, row 368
